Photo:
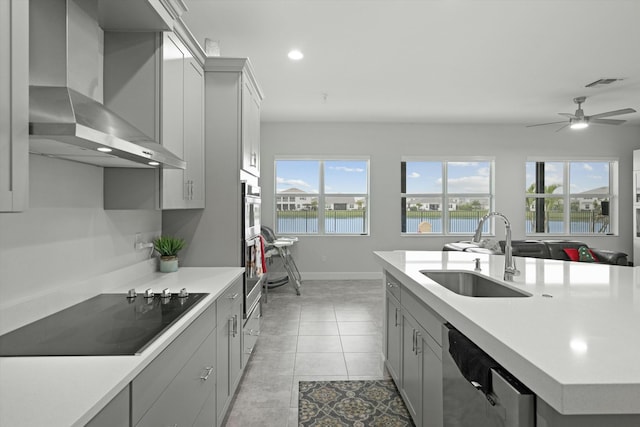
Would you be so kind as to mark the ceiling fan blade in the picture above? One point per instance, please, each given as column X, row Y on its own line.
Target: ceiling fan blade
column 559, row 129
column 607, row 121
column 613, row 113
column 544, row 124
column 573, row 116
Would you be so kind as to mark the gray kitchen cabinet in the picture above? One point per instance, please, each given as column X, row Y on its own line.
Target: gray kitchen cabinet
column 156, row 82
column 175, row 386
column 411, row 389
column 234, row 79
column 14, row 105
column 229, row 347
column 413, row 353
column 115, row 414
column 251, row 101
column 393, row 336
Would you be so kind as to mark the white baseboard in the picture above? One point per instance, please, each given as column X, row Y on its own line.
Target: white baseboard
column 345, row 275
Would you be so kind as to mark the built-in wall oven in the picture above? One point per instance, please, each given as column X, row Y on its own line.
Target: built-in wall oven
column 251, row 247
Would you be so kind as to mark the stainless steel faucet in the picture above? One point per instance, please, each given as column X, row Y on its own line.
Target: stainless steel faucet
column 510, row 269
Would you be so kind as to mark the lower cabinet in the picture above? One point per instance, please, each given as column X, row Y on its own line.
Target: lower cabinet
column 176, row 385
column 229, row 359
column 393, row 341
column 115, row 414
column 413, row 353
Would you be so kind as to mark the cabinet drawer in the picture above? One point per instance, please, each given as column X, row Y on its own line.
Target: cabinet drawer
column 427, row 318
column 392, row 285
column 154, row 379
column 226, row 301
column 251, row 331
column 182, row 400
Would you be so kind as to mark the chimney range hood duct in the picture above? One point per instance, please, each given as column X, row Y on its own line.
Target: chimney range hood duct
column 65, row 42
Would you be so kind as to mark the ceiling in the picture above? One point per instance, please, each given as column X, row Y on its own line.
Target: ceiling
column 431, row 61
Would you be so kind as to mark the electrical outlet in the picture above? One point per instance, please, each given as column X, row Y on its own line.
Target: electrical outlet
column 138, row 240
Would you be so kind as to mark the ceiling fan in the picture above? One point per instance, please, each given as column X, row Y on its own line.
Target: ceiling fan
column 578, row 120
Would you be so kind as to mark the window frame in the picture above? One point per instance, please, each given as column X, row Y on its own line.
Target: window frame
column 322, row 195
column 445, row 196
column 567, row 196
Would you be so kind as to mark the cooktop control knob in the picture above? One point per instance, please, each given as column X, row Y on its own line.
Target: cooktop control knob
column 132, row 293
column 148, row 293
column 166, row 293
column 183, row 293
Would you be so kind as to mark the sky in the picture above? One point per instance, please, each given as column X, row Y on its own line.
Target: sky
column 463, row 177
column 341, row 176
column 583, row 176
column 350, row 177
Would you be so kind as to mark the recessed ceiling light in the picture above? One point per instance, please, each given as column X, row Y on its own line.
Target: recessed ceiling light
column 105, row 149
column 154, row 163
column 295, row 55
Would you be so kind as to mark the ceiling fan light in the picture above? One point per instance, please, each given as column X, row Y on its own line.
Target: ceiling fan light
column 579, row 124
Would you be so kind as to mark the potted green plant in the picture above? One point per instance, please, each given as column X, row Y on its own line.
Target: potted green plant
column 168, row 248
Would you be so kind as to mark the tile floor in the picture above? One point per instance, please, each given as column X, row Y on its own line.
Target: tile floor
column 333, row 331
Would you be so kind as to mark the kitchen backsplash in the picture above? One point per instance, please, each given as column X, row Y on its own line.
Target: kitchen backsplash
column 66, row 237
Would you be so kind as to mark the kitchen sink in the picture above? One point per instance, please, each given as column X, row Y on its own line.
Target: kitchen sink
column 470, row 284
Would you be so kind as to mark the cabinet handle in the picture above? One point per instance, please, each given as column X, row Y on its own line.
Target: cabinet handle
column 391, row 285
column 417, row 343
column 208, row 372
column 413, row 342
column 234, row 296
column 235, row 325
column 254, row 159
column 396, row 320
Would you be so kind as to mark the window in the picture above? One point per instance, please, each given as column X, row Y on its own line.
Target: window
column 464, row 187
column 322, row 196
column 570, row 197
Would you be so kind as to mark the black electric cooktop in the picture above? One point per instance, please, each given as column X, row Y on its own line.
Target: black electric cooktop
column 105, row 325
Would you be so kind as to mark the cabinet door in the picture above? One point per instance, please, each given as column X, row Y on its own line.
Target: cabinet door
column 172, row 113
column 393, row 344
column 115, row 414
column 412, row 368
column 250, row 128
column 432, row 402
column 182, row 400
column 236, row 355
column 14, row 98
column 194, row 134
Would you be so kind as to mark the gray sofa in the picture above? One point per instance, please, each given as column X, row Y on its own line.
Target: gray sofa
column 549, row 249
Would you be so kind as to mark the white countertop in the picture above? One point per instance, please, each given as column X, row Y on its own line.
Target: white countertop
column 578, row 350
column 69, row 391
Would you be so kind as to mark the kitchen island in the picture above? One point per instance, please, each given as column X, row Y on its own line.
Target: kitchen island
column 71, row 390
column 574, row 342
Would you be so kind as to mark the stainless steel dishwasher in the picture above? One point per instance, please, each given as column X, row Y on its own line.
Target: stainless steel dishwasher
column 501, row 401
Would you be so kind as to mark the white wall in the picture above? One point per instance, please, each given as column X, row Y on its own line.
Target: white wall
column 387, row 143
column 65, row 237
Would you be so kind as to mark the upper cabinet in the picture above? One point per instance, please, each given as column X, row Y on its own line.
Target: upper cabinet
column 156, row 81
column 182, row 112
column 140, row 15
column 235, row 80
column 14, row 105
column 251, row 100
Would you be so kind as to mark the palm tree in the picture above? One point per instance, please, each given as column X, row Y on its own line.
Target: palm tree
column 550, row 203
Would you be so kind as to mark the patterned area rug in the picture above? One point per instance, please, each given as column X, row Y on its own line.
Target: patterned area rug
column 351, row 404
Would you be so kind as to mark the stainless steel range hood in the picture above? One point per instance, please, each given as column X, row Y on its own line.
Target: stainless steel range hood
column 63, row 115
column 65, row 55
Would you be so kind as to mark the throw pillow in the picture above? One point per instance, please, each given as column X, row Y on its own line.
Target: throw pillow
column 572, row 253
column 585, row 255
